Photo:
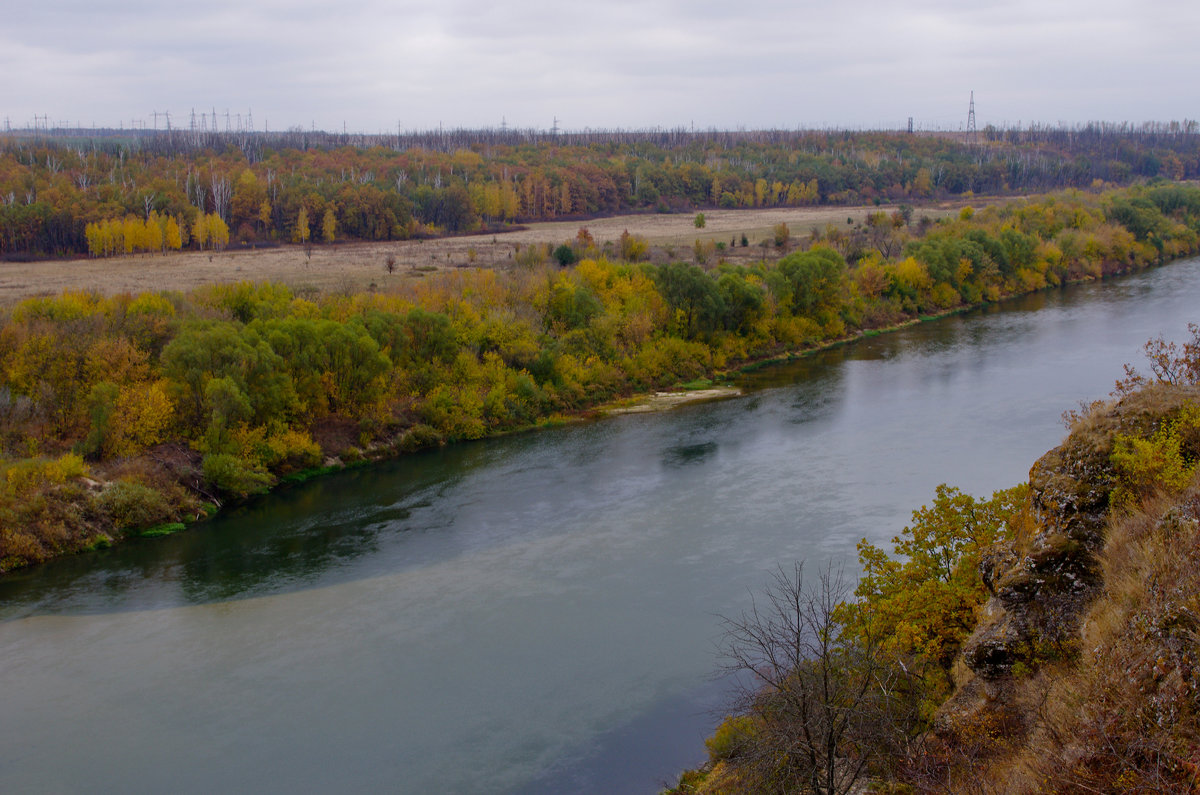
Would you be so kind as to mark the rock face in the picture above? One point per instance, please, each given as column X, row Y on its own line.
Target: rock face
column 1041, row 590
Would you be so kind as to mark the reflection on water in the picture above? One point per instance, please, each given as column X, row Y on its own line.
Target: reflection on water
column 685, row 454
column 535, row 613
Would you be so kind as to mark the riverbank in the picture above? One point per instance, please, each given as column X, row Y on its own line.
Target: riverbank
column 169, row 400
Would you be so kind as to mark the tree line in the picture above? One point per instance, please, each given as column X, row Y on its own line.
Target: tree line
column 51, row 189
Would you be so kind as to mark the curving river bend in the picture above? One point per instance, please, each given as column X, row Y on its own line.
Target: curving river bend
column 536, row 613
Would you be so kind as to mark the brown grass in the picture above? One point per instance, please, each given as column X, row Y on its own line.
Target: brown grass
column 355, row 267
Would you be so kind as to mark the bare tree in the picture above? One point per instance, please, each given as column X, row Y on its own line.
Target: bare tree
column 221, row 194
column 825, row 703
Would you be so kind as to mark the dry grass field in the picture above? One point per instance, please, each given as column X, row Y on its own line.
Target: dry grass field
column 352, row 267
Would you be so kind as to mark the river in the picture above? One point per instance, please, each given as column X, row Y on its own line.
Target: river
column 538, row 613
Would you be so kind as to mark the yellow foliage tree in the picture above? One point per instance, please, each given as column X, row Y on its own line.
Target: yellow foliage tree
column 172, row 236
column 142, row 417
column 328, row 225
column 218, row 232
column 200, row 231
column 301, row 233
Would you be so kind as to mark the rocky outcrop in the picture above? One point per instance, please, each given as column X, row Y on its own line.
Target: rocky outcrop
column 1042, row 585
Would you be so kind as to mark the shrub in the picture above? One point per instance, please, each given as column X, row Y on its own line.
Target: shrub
column 632, row 247
column 1162, row 462
column 29, row 476
column 565, row 255
column 420, row 436
column 733, row 737
column 133, row 505
column 781, row 235
column 234, row 476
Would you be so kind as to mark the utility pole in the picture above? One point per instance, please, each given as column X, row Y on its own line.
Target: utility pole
column 971, row 121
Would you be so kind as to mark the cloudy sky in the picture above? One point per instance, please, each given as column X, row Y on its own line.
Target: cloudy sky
column 373, row 65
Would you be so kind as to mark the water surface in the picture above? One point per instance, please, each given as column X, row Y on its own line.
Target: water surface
column 536, row 613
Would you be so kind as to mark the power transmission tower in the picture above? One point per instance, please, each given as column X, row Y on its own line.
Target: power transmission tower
column 971, row 121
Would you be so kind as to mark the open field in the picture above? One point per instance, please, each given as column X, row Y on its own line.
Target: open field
column 352, row 267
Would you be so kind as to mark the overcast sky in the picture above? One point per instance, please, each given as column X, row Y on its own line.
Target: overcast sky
column 373, row 65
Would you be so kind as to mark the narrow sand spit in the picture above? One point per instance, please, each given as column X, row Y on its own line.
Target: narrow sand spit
column 664, row 401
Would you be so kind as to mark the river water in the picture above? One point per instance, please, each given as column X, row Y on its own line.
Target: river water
column 539, row 613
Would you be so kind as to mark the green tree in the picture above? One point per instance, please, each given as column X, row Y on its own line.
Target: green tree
column 693, row 296
column 818, row 279
column 924, row 597
column 565, row 255
column 227, row 408
column 743, row 301
column 205, row 350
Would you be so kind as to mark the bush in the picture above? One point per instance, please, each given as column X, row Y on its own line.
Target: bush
column 734, row 737
column 234, row 476
column 29, row 476
column 781, row 235
column 419, row 437
column 1162, row 463
column 134, row 505
column 285, row 450
column 565, row 255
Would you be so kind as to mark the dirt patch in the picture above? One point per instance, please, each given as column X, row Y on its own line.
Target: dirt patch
column 357, row 267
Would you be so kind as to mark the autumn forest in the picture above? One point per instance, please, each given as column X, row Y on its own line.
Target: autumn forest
column 107, row 195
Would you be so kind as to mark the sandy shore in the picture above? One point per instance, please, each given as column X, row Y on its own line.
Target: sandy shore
column 663, row 401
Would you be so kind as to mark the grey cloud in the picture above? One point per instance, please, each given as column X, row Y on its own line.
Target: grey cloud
column 660, row 62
